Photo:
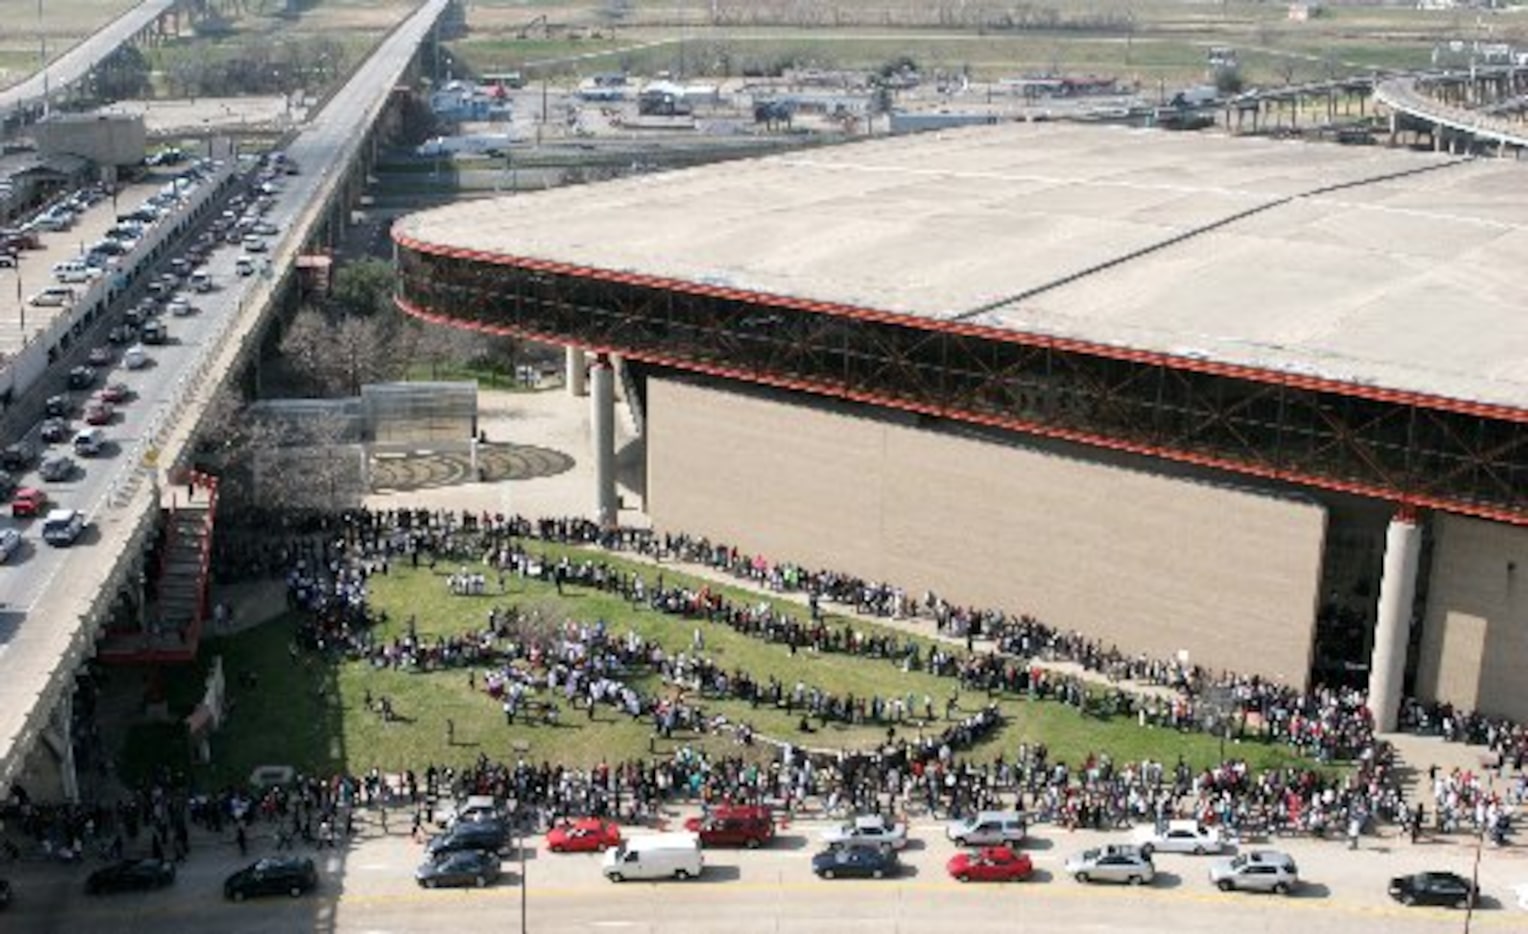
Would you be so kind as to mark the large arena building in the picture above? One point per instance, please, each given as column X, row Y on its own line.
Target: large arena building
column 1261, row 403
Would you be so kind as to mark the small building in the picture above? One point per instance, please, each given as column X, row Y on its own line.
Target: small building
column 32, row 179
column 105, row 139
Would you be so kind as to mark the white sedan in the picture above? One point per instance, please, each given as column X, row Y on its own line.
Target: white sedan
column 1181, row 836
column 868, row 830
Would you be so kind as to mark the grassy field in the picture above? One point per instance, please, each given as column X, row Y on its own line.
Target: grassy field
column 307, row 712
column 1141, row 40
column 63, row 23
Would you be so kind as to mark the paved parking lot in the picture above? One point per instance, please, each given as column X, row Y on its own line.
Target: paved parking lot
column 369, row 888
column 33, row 273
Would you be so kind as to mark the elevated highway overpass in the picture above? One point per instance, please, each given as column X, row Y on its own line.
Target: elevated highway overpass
column 74, row 65
column 1452, row 124
column 54, row 605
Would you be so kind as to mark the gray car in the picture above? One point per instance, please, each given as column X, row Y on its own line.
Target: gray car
column 1257, row 871
column 1114, row 863
column 988, row 828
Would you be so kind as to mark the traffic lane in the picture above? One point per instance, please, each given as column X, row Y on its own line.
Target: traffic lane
column 24, row 583
column 370, row 888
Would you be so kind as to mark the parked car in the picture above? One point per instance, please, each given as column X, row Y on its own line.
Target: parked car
column 60, row 406
column 54, row 296
column 734, row 825
column 1434, row 888
column 5, row 894
column 855, row 862
column 990, row 864
column 474, row 808
column 28, row 502
column 868, row 830
column 54, row 430
column 1256, row 871
column 63, row 527
column 988, row 828
column 10, row 543
column 17, row 456
column 7, row 485
column 274, row 875
column 99, row 356
column 476, row 835
column 56, row 469
column 585, row 835
column 1181, row 836
column 131, row 875
column 1114, row 863
column 81, row 377
column 458, row 869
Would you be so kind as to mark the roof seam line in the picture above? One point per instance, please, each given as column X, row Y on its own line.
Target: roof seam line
column 1190, row 234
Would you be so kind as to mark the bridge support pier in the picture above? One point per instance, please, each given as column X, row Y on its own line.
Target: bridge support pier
column 48, row 773
column 574, row 371
column 602, row 421
column 1392, row 630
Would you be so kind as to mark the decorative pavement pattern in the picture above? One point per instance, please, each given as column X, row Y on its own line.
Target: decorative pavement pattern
column 423, row 469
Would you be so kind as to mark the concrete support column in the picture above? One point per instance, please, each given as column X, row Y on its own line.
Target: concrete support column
column 59, row 738
column 574, row 371
column 602, row 421
column 1392, row 630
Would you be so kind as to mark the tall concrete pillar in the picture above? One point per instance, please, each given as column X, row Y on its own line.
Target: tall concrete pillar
column 602, row 420
column 1392, row 630
column 574, row 370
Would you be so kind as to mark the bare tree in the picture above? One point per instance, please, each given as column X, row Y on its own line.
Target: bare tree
column 336, row 356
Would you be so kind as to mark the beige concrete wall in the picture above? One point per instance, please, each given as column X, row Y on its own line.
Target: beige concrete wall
column 1474, row 647
column 1150, row 563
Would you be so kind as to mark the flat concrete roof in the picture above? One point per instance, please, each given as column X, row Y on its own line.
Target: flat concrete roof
column 1366, row 265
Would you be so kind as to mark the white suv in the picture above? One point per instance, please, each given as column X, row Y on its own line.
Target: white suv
column 63, row 526
column 1257, row 871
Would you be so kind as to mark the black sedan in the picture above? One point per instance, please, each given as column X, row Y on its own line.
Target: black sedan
column 272, row 876
column 855, row 862
column 131, row 875
column 486, row 835
column 1433, row 888
column 462, row 868
column 81, row 377
column 59, row 406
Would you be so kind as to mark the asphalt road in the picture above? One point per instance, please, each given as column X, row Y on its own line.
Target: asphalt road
column 369, row 889
column 77, row 62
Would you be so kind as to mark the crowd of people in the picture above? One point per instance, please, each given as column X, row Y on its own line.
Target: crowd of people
column 525, row 665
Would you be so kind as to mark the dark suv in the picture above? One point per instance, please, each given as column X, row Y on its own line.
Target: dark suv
column 487, row 835
column 734, row 825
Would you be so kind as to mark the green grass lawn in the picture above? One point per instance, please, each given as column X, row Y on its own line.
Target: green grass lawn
column 310, row 713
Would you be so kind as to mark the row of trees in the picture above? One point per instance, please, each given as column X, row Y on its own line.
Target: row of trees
column 280, row 66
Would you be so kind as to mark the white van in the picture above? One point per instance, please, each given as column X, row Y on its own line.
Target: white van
column 655, row 856
column 74, row 270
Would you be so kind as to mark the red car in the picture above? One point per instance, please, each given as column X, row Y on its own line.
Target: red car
column 98, row 412
column 734, row 825
column 990, row 864
column 28, row 502
column 116, row 393
column 585, row 835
